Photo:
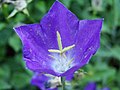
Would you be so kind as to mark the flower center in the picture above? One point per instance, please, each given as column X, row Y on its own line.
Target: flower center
column 62, row 61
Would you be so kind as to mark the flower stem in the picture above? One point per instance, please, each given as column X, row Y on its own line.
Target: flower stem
column 63, row 83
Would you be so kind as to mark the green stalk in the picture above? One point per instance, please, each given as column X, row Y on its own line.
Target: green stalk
column 63, row 83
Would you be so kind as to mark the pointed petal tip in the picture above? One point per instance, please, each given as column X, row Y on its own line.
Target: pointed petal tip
column 97, row 19
column 100, row 19
column 57, row 2
column 16, row 28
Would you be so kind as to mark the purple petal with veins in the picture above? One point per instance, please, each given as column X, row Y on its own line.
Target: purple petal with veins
column 61, row 43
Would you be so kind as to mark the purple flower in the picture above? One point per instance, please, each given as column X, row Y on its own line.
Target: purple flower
column 93, row 86
column 106, row 88
column 60, row 44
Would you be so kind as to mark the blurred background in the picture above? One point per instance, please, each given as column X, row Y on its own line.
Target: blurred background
column 104, row 67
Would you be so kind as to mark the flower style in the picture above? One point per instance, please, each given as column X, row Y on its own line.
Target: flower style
column 60, row 44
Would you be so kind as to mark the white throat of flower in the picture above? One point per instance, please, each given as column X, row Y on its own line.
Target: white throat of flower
column 62, row 62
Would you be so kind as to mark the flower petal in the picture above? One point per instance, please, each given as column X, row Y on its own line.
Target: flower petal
column 87, row 40
column 90, row 86
column 35, row 51
column 39, row 80
column 60, row 19
column 86, row 44
column 105, row 88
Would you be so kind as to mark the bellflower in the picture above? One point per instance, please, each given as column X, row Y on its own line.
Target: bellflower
column 93, row 86
column 105, row 88
column 90, row 86
column 60, row 44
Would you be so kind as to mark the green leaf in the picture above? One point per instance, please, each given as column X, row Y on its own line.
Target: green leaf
column 2, row 52
column 116, row 11
column 80, row 2
column 15, row 42
column 4, row 85
column 41, row 6
column 4, row 72
column 111, row 52
column 106, row 29
column 19, row 18
column 115, row 52
column 66, row 2
column 4, row 35
column 2, row 26
column 20, row 80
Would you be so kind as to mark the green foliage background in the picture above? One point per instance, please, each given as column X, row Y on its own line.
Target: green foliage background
column 104, row 67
